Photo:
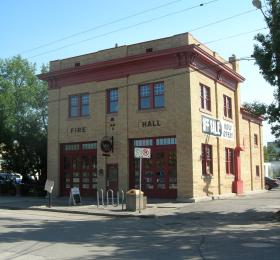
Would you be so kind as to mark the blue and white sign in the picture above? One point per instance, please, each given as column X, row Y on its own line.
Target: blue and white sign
column 219, row 128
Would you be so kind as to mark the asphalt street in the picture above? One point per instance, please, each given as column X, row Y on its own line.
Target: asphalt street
column 238, row 228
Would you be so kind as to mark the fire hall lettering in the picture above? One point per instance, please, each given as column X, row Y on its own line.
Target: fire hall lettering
column 151, row 123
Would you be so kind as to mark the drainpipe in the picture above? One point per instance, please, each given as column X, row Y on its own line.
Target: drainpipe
column 237, row 185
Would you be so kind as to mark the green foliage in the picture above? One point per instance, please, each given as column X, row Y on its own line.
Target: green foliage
column 23, row 117
column 256, row 108
column 267, row 55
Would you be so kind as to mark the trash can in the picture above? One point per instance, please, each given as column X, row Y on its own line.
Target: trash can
column 132, row 200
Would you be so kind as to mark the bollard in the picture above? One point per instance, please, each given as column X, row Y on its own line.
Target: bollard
column 97, row 198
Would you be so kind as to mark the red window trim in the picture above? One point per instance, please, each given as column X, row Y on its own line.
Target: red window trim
column 79, row 105
column 151, row 96
column 205, row 161
column 108, row 100
column 256, row 140
column 229, row 160
column 227, row 106
column 257, row 171
column 205, row 101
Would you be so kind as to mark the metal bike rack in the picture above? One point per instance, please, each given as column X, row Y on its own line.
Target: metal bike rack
column 112, row 192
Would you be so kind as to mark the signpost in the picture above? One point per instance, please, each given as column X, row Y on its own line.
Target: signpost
column 49, row 187
column 141, row 153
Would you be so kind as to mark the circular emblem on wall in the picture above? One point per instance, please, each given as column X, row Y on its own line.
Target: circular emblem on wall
column 106, row 144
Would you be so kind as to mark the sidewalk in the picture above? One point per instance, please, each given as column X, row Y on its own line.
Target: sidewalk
column 89, row 207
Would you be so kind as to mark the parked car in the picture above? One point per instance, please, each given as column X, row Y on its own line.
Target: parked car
column 270, row 183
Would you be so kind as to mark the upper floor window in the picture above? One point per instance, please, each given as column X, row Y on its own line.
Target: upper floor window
column 112, row 100
column 255, row 139
column 229, row 161
column 151, row 95
column 206, row 159
column 79, row 105
column 227, row 107
column 205, row 97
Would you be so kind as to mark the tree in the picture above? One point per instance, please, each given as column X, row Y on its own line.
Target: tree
column 267, row 55
column 23, row 117
column 257, row 108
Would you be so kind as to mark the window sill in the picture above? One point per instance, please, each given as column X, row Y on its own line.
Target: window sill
column 228, row 119
column 230, row 176
column 204, row 111
column 207, row 177
column 151, row 110
column 78, row 117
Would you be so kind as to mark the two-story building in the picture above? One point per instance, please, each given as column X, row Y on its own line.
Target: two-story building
column 173, row 95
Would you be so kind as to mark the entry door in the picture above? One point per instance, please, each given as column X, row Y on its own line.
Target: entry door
column 112, row 177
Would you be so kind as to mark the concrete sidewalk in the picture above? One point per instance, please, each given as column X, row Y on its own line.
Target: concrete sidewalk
column 89, row 207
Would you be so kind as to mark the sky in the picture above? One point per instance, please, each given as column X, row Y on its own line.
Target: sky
column 42, row 31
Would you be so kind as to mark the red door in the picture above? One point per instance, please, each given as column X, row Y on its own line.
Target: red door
column 112, row 177
column 79, row 168
column 159, row 173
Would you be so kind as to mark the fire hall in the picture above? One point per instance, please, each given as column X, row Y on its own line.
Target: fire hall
column 173, row 95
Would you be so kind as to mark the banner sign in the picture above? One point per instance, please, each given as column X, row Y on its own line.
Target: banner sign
column 219, row 128
column 142, row 152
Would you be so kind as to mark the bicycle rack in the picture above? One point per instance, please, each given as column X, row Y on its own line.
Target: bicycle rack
column 107, row 195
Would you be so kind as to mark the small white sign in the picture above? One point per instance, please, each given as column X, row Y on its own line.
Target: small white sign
column 75, row 191
column 142, row 152
column 49, row 186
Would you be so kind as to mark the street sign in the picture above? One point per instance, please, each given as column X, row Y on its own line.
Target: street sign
column 142, row 152
column 49, row 186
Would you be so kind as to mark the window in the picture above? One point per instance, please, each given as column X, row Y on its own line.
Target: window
column 207, row 164
column 227, row 107
column 151, row 95
column 79, row 105
column 257, row 171
column 255, row 139
column 229, row 161
column 112, row 100
column 205, row 98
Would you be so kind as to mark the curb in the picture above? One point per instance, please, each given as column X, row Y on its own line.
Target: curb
column 80, row 212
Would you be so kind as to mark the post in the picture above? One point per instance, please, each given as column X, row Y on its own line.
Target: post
column 102, row 197
column 140, row 177
column 97, row 198
column 49, row 200
column 122, row 199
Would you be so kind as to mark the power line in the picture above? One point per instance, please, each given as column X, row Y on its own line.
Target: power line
column 101, row 26
column 222, row 20
column 124, row 28
column 235, row 35
column 159, row 78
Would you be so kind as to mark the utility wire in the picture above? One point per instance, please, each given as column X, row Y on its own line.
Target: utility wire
column 101, row 26
column 124, row 28
column 159, row 78
column 222, row 20
column 235, row 35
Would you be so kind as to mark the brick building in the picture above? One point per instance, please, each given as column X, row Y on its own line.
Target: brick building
column 173, row 95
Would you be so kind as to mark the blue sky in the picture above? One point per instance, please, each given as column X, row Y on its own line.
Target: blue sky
column 28, row 24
